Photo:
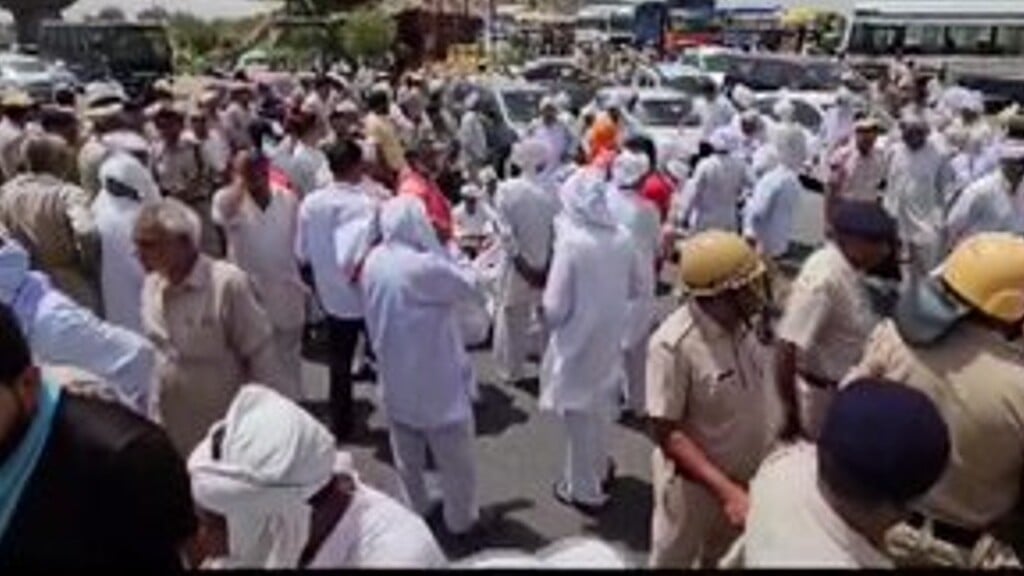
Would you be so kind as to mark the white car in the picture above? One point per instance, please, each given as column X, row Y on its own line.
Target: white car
column 29, row 74
column 672, row 75
column 663, row 114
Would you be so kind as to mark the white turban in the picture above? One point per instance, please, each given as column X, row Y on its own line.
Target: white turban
column 784, row 110
column 724, row 139
column 530, row 155
column 129, row 171
column 584, row 199
column 629, row 167
column 273, row 458
column 404, row 220
column 743, row 97
column 791, row 146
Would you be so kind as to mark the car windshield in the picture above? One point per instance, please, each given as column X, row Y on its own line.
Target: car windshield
column 522, row 105
column 25, row 65
column 804, row 113
column 663, row 112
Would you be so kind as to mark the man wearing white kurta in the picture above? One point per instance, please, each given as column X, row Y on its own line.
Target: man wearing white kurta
column 411, row 287
column 526, row 214
column 711, row 197
column 920, row 180
column 260, row 221
column 125, row 185
column 640, row 218
column 994, row 203
column 593, row 277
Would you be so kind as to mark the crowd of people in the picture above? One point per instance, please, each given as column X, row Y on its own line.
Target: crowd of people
column 166, row 262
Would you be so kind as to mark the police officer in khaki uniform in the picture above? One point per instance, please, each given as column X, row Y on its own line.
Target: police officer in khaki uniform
column 953, row 338
column 833, row 305
column 180, row 170
column 714, row 411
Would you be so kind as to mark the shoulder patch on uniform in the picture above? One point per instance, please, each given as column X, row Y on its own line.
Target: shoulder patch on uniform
column 675, row 328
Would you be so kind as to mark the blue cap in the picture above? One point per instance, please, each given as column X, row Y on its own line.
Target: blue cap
column 883, row 441
column 866, row 220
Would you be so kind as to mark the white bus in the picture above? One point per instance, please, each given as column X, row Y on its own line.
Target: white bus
column 968, row 36
column 600, row 23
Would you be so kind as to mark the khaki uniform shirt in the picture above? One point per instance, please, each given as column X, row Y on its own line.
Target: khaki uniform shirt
column 213, row 336
column 717, row 386
column 90, row 159
column 381, row 132
column 828, row 315
column 976, row 379
column 180, row 172
column 52, row 221
column 11, row 138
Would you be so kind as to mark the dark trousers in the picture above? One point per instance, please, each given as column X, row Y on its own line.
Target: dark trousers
column 343, row 335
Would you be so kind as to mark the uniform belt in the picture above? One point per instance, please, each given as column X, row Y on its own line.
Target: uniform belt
column 818, row 382
column 963, row 537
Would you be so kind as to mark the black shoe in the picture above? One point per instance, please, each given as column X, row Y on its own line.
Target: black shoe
column 562, row 495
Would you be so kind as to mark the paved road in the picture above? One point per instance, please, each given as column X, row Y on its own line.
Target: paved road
column 519, row 454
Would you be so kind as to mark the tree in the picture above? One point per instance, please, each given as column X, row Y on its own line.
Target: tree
column 368, row 34
column 111, row 14
column 153, row 14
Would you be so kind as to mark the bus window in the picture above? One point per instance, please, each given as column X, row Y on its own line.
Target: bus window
column 874, row 39
column 923, row 39
column 969, row 40
column 1010, row 40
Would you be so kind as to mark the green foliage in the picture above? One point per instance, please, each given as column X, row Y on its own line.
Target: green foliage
column 368, row 34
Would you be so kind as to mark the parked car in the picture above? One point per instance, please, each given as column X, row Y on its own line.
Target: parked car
column 673, row 75
column 508, row 105
column 558, row 75
column 29, row 74
column 665, row 115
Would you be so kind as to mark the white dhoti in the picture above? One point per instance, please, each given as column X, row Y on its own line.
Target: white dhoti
column 587, row 460
column 452, row 448
column 513, row 339
column 688, row 528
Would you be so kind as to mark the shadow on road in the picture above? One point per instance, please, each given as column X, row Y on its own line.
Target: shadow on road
column 496, row 411
column 630, row 505
column 500, row 531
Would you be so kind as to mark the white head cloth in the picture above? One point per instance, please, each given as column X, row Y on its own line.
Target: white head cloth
column 629, row 167
column 584, row 200
column 273, row 458
column 129, row 171
column 530, row 155
column 784, row 110
column 724, row 139
column 743, row 97
column 403, row 220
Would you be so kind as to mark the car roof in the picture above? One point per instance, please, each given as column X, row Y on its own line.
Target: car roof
column 549, row 61
column 642, row 93
column 506, row 83
column 677, row 70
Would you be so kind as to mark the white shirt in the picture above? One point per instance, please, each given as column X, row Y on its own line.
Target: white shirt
column 768, row 216
column 988, row 205
column 121, row 274
column 378, row 532
column 790, row 525
column 526, row 215
column 557, row 136
column 309, row 169
column 594, row 275
column 711, row 195
column 714, row 114
column 261, row 242
column 322, row 214
column 472, row 138
column 466, row 224
column 918, row 185
column 640, row 218
column 411, row 297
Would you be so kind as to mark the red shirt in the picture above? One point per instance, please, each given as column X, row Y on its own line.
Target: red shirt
column 658, row 190
column 439, row 210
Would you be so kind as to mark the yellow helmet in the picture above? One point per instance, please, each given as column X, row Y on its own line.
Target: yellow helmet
column 987, row 272
column 716, row 261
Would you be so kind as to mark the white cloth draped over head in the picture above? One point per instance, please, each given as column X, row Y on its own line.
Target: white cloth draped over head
column 584, row 201
column 724, row 140
column 531, row 156
column 791, row 145
column 743, row 96
column 628, row 168
column 403, row 220
column 784, row 110
column 273, row 458
column 128, row 171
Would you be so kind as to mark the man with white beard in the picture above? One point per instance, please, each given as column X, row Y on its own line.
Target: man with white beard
column 640, row 218
column 920, row 180
column 593, row 278
column 526, row 214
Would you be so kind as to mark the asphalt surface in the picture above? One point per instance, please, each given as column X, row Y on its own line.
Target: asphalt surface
column 519, row 453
